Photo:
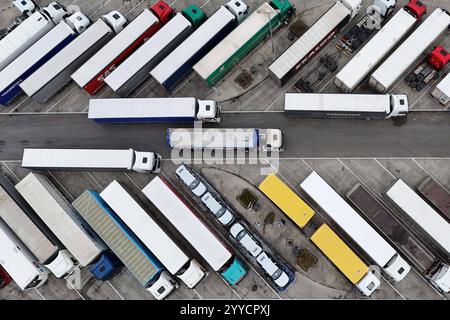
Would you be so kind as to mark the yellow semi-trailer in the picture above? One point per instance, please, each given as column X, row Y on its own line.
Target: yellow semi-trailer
column 287, row 200
column 338, row 252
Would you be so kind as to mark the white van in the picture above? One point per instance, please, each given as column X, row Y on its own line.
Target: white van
column 222, row 214
column 245, row 239
column 191, row 181
column 279, row 276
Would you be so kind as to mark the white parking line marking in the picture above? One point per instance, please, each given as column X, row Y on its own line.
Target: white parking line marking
column 115, row 290
column 40, row 294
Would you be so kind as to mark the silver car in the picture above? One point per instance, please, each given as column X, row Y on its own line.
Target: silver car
column 191, row 181
column 245, row 239
column 222, row 214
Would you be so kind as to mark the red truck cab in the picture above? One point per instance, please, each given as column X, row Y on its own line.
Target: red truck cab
column 163, row 11
column 416, row 8
column 439, row 58
column 5, row 278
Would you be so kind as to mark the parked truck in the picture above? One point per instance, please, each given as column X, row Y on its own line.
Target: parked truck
column 384, row 78
column 429, row 69
column 5, row 278
column 38, row 54
column 365, row 106
column 19, row 262
column 363, row 234
column 96, row 159
column 24, row 32
column 335, row 249
column 442, row 91
column 379, row 46
column 62, row 219
column 428, row 264
column 151, row 110
column 313, row 40
column 136, row 69
column 32, row 231
column 91, row 75
column 180, row 61
column 437, row 195
column 153, row 236
column 55, row 73
column 142, row 264
column 194, row 231
column 263, row 22
column 243, row 139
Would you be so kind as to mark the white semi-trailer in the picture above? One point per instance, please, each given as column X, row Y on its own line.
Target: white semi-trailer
column 152, row 235
column 384, row 78
column 96, row 159
column 364, row 235
column 36, row 236
column 442, row 91
column 379, row 46
column 364, row 106
column 150, row 110
column 313, row 40
column 55, row 73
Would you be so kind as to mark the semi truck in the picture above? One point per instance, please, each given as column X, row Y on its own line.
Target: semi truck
column 33, row 233
column 19, row 262
column 239, row 139
column 170, row 204
column 62, row 219
column 384, row 78
column 55, row 73
column 429, row 69
column 314, row 39
column 442, row 91
column 180, row 61
column 427, row 263
column 153, row 236
column 264, row 21
column 22, row 34
column 340, row 254
column 150, row 110
column 38, row 54
column 136, row 257
column 5, row 278
column 366, row 106
column 95, row 159
column 363, row 234
column 136, row 69
column 379, row 46
column 436, row 194
column 91, row 75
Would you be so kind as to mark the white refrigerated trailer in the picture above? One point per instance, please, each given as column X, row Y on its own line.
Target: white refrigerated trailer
column 365, row 236
column 152, row 235
column 384, row 78
column 442, row 91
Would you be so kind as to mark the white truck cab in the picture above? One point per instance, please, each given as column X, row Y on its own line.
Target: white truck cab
column 441, row 278
column 397, row 268
column 115, row 20
column 384, row 7
column 164, row 286
column 353, row 5
column 193, row 274
column 78, row 21
column 63, row 265
column 239, row 9
column 399, row 105
column 25, row 6
column 208, row 111
column 271, row 139
column 55, row 11
column 368, row 284
column 146, row 162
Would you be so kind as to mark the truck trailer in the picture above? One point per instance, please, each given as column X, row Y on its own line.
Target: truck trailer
column 19, row 262
column 363, row 234
column 55, row 73
column 38, row 54
column 261, row 23
column 152, row 235
column 95, row 159
column 428, row 264
column 379, row 46
column 194, row 231
column 226, row 139
column 384, row 78
column 335, row 249
column 33, row 233
column 180, row 61
column 142, row 264
column 62, row 219
column 365, row 106
column 437, row 195
column 313, row 40
column 151, row 110
column 442, row 91
column 15, row 41
column 136, row 69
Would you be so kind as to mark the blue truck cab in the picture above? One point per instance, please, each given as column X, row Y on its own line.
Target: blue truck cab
column 234, row 272
column 106, row 267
